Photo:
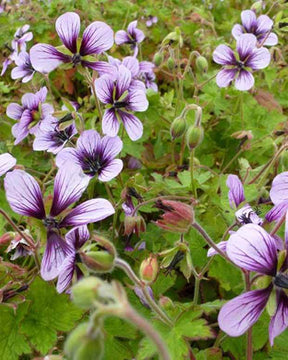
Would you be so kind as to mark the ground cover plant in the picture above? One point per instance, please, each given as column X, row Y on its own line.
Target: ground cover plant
column 144, row 180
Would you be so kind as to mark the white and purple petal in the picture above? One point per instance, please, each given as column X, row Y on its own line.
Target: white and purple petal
column 132, row 124
column 14, row 111
column 259, row 59
column 279, row 321
column 236, row 191
column 279, row 188
column 77, row 237
column 110, row 123
column 97, row 38
column 277, row 211
column 249, row 22
column 104, row 87
column 68, row 28
column 66, row 272
column 245, row 45
column 221, row 245
column 237, row 31
column 110, row 170
column 244, row 80
column 225, row 77
column 224, row 55
column 7, row 161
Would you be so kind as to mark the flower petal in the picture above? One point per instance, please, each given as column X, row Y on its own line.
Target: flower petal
column 246, row 215
column 236, row 191
column 21, row 129
column 237, row 31
column 225, row 77
column 88, row 212
column 271, row 40
column 279, row 321
column 132, row 64
column 111, row 170
column 24, row 194
column 137, row 100
column 132, row 124
column 89, row 143
column 7, row 161
column 110, row 123
column 264, row 24
column 223, row 55
column 123, row 81
column 245, row 45
column 248, row 18
column 221, row 245
column 111, row 146
column 253, row 249
column 104, row 87
column 97, row 38
column 14, row 111
column 259, row 59
column 68, row 28
column 277, row 211
column 279, row 188
column 244, row 81
column 45, row 58
column 69, row 185
column 77, row 237
column 239, row 314
column 102, row 67
column 67, row 155
column 66, row 272
column 121, row 37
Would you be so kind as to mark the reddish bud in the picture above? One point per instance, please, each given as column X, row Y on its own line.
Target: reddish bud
column 149, row 269
column 134, row 224
column 6, row 238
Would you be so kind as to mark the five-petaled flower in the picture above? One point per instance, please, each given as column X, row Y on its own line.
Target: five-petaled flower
column 238, row 66
column 24, row 69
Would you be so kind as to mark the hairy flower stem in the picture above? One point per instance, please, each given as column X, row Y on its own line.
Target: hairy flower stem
column 249, row 345
column 278, row 225
column 123, row 265
column 196, row 290
column 191, row 165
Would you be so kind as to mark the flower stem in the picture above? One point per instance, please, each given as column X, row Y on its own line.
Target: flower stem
column 191, row 165
column 196, row 290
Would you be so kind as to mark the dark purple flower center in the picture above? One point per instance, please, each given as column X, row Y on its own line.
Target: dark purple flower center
column 119, row 104
column 240, row 64
column 92, row 166
column 61, row 136
column 76, row 59
column 50, row 222
column 281, row 280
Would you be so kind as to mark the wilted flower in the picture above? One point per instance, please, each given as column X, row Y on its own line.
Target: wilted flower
column 260, row 27
column 95, row 155
column 24, row 68
column 97, row 38
column 253, row 249
column 238, row 66
column 123, row 98
column 133, row 36
column 30, row 115
column 279, row 197
column 21, row 36
column 7, row 161
column 20, row 246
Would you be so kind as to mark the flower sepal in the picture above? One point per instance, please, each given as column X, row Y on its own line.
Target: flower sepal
column 271, row 305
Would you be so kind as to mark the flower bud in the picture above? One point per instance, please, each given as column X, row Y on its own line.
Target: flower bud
column 178, row 127
column 170, row 63
column 6, row 238
column 202, row 64
column 194, row 136
column 86, row 291
column 149, row 269
column 257, row 6
column 166, row 303
column 158, row 58
column 134, row 224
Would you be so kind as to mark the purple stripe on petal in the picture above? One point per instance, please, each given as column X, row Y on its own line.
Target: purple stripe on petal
column 89, row 143
column 253, row 249
column 239, row 314
column 237, row 31
column 14, row 111
column 225, row 77
column 123, row 81
column 66, row 272
column 279, row 321
column 236, row 191
column 21, row 129
column 277, row 211
column 111, row 146
column 97, row 38
column 104, row 87
column 88, row 212
column 221, row 245
column 68, row 28
column 69, row 185
column 244, row 81
column 102, row 67
column 111, row 170
column 132, row 124
column 279, row 189
column 121, row 37
column 110, row 123
column 23, row 194
column 271, row 40
column 137, row 100
column 245, row 45
column 259, row 59
column 67, row 155
column 248, row 18
column 132, row 64
column 77, row 237
column 264, row 24
column 223, row 55
column 7, row 161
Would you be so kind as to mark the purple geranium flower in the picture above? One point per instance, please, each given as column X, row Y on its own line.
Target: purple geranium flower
column 253, row 249
column 21, row 36
column 24, row 68
column 238, row 66
column 146, row 74
column 132, row 36
column 123, row 98
column 51, row 138
column 260, row 27
column 279, row 197
column 25, row 198
column 30, row 115
column 75, row 239
column 97, row 38
column 10, row 59
column 7, row 161
column 94, row 155
column 151, row 20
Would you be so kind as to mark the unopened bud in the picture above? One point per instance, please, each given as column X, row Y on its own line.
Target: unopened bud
column 149, row 269
column 170, row 63
column 86, row 291
column 134, row 224
column 166, row 303
column 257, row 6
column 6, row 238
column 158, row 59
column 194, row 136
column 178, row 127
column 202, row 64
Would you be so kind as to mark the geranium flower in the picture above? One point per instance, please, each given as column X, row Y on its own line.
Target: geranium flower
column 151, row 20
column 30, row 115
column 133, row 36
column 97, row 38
column 253, row 249
column 279, row 197
column 122, row 98
column 95, row 155
column 24, row 68
column 260, row 27
column 25, row 198
column 146, row 74
column 21, row 36
column 7, row 161
column 238, row 66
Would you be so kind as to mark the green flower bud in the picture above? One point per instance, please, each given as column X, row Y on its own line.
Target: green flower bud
column 257, row 6
column 134, row 224
column 158, row 58
column 194, row 136
column 98, row 261
column 178, row 127
column 86, row 291
column 149, row 269
column 170, row 63
column 202, row 64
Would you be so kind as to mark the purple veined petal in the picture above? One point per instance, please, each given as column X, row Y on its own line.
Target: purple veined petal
column 102, row 67
column 24, row 194
column 88, row 212
column 223, row 55
column 30, row 101
column 89, row 143
column 246, row 214
column 67, row 155
column 248, row 18
column 111, row 146
column 137, row 100
column 139, row 292
column 279, row 321
column 139, row 35
column 42, row 94
column 132, row 124
column 137, row 85
column 5, row 65
column 237, row 31
column 69, row 185
column 21, row 129
column 18, row 73
column 259, row 59
column 244, row 80
column 245, row 45
column 123, row 81
column 253, row 249
column 146, row 66
column 225, row 77
column 77, row 237
column 66, row 272
column 28, row 77
column 271, row 40
column 121, row 37
column 54, row 255
column 240, row 313
column 264, row 24
column 7, row 161
column 236, row 191
column 45, row 58
column 14, row 111
column 104, row 87
column 279, row 188
column 97, row 38
column 68, row 28
column 135, row 33
column 110, row 123
column 113, row 61
column 277, row 211
column 132, row 64
column 221, row 245
column 111, row 170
